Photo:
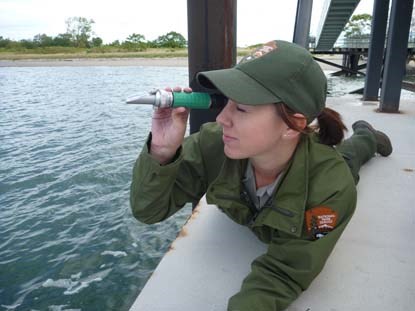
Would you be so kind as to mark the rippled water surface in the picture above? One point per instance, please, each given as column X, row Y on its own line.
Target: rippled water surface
column 68, row 240
column 68, row 144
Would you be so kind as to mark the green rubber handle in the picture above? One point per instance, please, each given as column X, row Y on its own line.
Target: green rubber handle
column 192, row 100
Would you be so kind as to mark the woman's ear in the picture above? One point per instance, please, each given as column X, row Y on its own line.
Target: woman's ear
column 300, row 121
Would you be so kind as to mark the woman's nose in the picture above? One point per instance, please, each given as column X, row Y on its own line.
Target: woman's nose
column 224, row 117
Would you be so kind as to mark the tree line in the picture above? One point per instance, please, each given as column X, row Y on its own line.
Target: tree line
column 359, row 27
column 79, row 34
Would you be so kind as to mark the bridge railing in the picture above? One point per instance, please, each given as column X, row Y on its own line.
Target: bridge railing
column 323, row 15
column 361, row 43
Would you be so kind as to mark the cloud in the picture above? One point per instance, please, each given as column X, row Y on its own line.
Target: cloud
column 258, row 21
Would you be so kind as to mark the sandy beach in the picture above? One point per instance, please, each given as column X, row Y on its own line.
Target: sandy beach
column 159, row 62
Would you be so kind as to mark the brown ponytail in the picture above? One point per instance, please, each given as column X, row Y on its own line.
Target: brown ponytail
column 330, row 128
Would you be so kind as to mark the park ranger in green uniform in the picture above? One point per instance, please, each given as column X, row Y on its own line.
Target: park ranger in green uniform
column 265, row 166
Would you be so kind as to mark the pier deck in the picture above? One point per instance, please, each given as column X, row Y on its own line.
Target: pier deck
column 371, row 268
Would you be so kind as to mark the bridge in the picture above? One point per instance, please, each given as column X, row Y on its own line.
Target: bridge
column 334, row 17
column 389, row 46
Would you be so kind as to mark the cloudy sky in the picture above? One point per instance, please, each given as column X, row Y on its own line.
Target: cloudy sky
column 257, row 21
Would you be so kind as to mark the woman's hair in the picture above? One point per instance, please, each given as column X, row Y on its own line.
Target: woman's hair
column 330, row 128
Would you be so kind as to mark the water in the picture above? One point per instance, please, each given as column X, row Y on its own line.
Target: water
column 68, row 240
column 68, row 144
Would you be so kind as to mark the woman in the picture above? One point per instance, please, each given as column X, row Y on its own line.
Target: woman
column 264, row 166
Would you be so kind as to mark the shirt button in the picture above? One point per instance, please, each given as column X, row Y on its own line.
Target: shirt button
column 293, row 229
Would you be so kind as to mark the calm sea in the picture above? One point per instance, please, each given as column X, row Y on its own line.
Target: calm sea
column 68, row 142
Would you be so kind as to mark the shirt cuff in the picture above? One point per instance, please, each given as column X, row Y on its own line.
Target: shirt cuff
column 152, row 166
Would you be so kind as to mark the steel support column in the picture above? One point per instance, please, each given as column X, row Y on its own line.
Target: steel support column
column 302, row 22
column 396, row 53
column 211, row 45
column 376, row 49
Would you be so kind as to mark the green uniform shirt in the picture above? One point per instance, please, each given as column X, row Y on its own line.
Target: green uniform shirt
column 309, row 210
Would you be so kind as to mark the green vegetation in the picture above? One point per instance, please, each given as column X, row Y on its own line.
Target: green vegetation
column 79, row 42
column 358, row 27
column 79, row 32
column 134, row 42
column 102, row 52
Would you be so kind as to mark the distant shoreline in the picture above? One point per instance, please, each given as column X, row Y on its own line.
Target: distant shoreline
column 109, row 62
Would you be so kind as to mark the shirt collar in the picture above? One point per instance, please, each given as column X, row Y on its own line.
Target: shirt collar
column 250, row 183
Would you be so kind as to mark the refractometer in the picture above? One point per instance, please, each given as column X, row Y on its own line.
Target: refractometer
column 195, row 100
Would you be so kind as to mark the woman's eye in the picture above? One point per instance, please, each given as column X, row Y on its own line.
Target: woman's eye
column 240, row 109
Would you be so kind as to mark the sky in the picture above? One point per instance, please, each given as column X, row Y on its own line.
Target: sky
column 116, row 20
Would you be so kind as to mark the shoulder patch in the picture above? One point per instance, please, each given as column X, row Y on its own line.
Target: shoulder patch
column 320, row 220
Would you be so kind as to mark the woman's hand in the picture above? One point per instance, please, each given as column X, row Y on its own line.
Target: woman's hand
column 168, row 127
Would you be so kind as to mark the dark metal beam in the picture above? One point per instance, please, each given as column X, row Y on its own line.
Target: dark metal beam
column 211, row 45
column 376, row 49
column 396, row 53
column 343, row 68
column 302, row 22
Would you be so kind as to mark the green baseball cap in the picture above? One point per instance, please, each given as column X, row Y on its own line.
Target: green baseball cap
column 278, row 71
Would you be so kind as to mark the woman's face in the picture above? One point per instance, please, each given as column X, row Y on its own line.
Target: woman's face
column 251, row 131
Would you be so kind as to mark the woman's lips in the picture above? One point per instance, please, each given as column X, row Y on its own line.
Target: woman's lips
column 228, row 139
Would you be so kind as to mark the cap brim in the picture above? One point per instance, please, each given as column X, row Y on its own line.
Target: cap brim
column 238, row 86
